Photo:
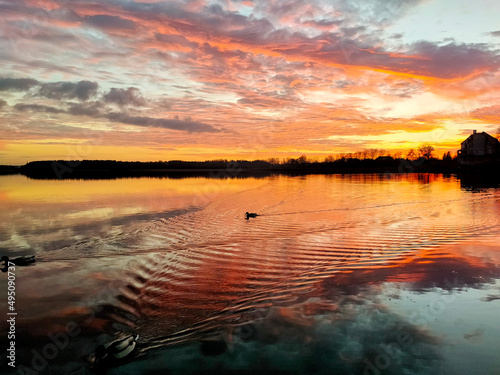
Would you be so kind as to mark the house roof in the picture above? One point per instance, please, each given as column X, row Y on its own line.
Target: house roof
column 483, row 134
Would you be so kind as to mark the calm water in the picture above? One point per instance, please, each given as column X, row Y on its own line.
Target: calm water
column 357, row 274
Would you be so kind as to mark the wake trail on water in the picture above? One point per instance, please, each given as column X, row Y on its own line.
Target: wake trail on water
column 201, row 272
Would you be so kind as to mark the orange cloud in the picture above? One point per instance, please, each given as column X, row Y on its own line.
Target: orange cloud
column 300, row 71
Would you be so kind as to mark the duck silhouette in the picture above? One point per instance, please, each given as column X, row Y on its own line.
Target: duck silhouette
column 115, row 350
column 19, row 261
column 250, row 214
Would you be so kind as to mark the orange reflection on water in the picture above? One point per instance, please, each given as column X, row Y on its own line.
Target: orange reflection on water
column 325, row 253
column 315, row 236
column 22, row 189
column 36, row 214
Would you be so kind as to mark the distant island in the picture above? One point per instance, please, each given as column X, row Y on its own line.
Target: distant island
column 479, row 153
column 103, row 169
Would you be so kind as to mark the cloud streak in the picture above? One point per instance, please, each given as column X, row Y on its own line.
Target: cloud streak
column 82, row 90
column 17, row 84
column 123, row 97
column 98, row 109
column 109, row 22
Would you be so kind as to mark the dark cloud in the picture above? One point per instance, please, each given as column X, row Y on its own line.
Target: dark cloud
column 279, row 9
column 109, row 22
column 82, row 90
column 91, row 109
column 97, row 110
column 174, row 124
column 210, row 21
column 175, row 40
column 352, row 31
column 3, row 103
column 37, row 108
column 58, row 37
column 123, row 97
column 85, row 89
column 323, row 23
column 495, row 33
column 17, row 84
column 454, row 60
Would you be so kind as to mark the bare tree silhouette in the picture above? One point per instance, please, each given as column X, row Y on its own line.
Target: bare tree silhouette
column 426, row 150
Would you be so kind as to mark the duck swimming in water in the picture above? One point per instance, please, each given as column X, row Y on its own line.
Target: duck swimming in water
column 115, row 350
column 19, row 261
column 249, row 215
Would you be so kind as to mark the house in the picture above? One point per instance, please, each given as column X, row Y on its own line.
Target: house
column 479, row 148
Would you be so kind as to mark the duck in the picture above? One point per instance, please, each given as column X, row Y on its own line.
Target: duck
column 250, row 214
column 25, row 260
column 115, row 350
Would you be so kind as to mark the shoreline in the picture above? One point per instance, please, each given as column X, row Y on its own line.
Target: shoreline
column 108, row 169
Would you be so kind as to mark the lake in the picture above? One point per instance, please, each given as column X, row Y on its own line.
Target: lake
column 339, row 274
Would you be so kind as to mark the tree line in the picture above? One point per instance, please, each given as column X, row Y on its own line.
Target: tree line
column 366, row 161
column 423, row 151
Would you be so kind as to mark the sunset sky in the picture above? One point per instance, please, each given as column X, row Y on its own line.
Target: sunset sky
column 204, row 79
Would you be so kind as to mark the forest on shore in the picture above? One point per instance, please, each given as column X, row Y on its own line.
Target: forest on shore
column 421, row 160
column 366, row 161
